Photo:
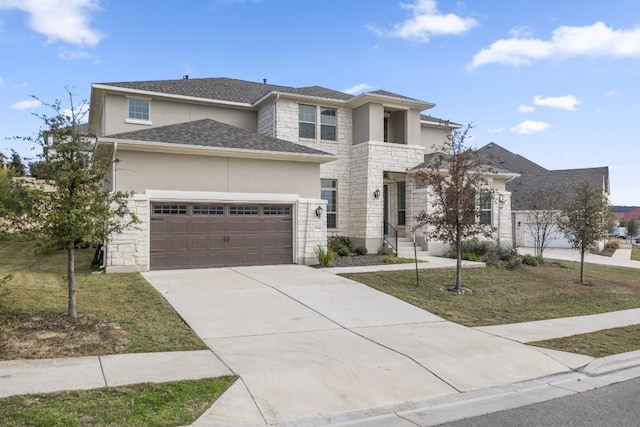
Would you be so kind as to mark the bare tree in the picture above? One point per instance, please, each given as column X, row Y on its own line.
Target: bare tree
column 586, row 219
column 541, row 220
column 74, row 205
column 457, row 180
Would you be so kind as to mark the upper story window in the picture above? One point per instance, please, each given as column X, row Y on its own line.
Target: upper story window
column 328, row 123
column 138, row 109
column 308, row 118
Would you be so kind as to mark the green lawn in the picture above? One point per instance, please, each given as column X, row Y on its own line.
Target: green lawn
column 635, row 252
column 167, row 404
column 597, row 344
column 502, row 296
column 39, row 285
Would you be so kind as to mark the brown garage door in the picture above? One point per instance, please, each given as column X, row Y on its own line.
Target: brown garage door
column 200, row 235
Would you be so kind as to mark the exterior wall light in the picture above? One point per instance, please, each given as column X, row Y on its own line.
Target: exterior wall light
column 376, row 194
column 319, row 211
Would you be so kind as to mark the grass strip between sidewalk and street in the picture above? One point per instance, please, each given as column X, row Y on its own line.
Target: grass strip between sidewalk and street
column 635, row 252
column 502, row 296
column 597, row 344
column 150, row 404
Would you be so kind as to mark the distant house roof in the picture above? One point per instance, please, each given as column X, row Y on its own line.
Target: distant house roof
column 513, row 162
column 486, row 165
column 534, row 178
column 627, row 215
column 210, row 133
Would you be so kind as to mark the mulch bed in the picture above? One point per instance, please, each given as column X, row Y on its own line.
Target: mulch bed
column 30, row 335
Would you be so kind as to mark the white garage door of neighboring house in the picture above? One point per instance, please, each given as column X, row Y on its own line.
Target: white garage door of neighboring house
column 556, row 240
column 201, row 235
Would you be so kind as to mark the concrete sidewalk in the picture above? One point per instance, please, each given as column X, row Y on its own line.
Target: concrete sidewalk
column 83, row 373
column 621, row 257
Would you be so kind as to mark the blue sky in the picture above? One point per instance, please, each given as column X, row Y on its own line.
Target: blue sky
column 555, row 81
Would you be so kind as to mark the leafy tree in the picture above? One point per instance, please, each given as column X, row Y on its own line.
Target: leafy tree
column 36, row 170
column 74, row 206
column 542, row 218
column 457, row 179
column 12, row 195
column 16, row 165
column 586, row 219
column 632, row 227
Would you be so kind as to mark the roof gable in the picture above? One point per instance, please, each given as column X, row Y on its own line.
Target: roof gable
column 507, row 159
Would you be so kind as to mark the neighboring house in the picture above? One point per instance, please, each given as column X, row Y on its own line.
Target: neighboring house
column 533, row 180
column 229, row 172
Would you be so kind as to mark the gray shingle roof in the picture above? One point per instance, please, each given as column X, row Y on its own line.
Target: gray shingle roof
column 210, row 133
column 486, row 165
column 534, row 178
column 508, row 160
column 225, row 89
column 524, row 188
column 429, row 118
column 393, row 95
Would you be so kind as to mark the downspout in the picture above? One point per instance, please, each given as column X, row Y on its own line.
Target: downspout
column 113, row 167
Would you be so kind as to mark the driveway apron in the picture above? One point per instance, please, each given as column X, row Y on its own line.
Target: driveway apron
column 306, row 343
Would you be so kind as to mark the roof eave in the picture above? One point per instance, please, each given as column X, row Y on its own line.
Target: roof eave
column 167, row 147
column 153, row 94
column 391, row 101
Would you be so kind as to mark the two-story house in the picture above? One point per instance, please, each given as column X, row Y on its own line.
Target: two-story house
column 229, row 172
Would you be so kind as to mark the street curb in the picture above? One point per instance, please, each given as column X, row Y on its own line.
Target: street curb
column 598, row 373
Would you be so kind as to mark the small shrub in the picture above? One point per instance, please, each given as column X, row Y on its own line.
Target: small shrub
column 325, row 256
column 476, row 246
column 343, row 251
column 613, row 244
column 337, row 241
column 531, row 260
column 361, row 250
column 514, row 262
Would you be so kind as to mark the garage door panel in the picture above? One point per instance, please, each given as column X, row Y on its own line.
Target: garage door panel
column 216, row 235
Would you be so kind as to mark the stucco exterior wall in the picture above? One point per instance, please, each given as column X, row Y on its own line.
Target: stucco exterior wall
column 432, row 138
column 163, row 112
column 139, row 171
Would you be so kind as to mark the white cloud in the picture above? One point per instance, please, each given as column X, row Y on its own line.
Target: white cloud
column 60, row 20
column 426, row 22
column 71, row 55
column 568, row 102
column 26, row 104
column 566, row 41
column 526, row 108
column 360, row 87
column 519, row 32
column 612, row 93
column 530, row 126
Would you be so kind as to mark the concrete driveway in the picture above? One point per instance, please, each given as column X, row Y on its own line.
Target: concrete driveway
column 310, row 344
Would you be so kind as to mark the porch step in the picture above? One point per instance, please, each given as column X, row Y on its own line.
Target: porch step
column 405, row 247
column 409, row 253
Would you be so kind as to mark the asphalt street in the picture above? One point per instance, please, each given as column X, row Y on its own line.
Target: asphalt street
column 615, row 405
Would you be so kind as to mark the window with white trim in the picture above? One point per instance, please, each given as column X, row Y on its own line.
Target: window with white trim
column 138, row 109
column 307, row 121
column 308, row 118
column 485, row 208
column 328, row 122
column 329, row 192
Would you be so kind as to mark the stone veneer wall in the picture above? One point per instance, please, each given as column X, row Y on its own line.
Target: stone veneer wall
column 265, row 120
column 369, row 161
column 312, row 231
column 129, row 251
column 287, row 129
